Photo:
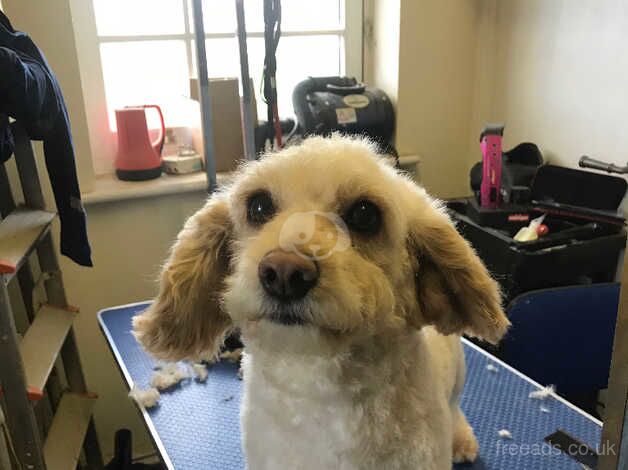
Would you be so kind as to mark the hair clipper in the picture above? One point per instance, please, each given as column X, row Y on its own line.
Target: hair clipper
column 491, row 145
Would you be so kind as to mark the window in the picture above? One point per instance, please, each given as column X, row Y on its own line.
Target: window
column 147, row 50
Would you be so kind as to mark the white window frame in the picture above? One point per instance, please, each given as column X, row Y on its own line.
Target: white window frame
column 102, row 140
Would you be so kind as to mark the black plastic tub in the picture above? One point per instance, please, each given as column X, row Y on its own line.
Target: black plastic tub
column 574, row 252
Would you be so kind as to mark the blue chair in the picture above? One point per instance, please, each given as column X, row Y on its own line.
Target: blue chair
column 563, row 336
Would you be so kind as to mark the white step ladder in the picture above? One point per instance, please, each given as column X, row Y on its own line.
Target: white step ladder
column 47, row 407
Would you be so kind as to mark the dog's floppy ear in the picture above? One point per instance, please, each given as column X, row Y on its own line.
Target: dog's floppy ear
column 185, row 321
column 455, row 291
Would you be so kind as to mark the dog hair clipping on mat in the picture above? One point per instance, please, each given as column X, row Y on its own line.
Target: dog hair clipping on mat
column 504, row 434
column 544, row 409
column 145, row 398
column 543, row 393
column 170, row 375
column 491, row 368
column 200, row 371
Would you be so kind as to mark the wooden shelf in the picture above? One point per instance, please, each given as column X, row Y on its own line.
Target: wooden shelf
column 41, row 345
column 67, row 432
column 19, row 232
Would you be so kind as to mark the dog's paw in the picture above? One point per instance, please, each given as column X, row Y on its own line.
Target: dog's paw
column 465, row 445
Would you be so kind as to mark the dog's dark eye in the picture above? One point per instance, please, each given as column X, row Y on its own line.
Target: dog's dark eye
column 364, row 217
column 260, row 208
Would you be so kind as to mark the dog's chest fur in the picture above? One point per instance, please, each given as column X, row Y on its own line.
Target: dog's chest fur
column 306, row 413
column 296, row 415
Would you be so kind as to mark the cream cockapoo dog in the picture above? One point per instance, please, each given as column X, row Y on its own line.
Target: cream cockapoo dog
column 350, row 286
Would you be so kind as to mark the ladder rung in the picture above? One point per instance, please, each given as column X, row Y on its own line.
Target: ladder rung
column 19, row 232
column 41, row 345
column 67, row 432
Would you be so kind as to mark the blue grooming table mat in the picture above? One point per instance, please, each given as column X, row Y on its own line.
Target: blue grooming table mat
column 197, row 425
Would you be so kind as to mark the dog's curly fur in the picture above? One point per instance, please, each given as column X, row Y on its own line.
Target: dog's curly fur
column 372, row 377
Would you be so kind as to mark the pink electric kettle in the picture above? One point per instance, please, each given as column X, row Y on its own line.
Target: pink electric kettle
column 138, row 158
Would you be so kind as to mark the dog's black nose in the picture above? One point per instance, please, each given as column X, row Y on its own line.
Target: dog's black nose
column 287, row 276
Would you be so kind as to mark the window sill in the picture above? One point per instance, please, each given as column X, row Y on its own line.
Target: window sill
column 108, row 188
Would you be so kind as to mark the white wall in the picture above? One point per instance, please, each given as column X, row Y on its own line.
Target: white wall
column 556, row 72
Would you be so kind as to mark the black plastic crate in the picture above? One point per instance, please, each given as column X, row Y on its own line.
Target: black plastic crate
column 553, row 261
column 586, row 234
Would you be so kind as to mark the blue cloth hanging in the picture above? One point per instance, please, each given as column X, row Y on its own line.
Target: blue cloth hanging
column 30, row 94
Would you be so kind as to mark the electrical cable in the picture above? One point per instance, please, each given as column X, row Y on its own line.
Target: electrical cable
column 272, row 33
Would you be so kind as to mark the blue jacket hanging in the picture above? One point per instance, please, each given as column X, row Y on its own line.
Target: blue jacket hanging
column 30, row 94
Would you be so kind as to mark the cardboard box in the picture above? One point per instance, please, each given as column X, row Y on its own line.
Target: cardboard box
column 226, row 122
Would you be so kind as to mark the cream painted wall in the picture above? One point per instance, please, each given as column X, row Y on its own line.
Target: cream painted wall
column 435, row 90
column 422, row 54
column 381, row 45
column 129, row 240
column 556, row 74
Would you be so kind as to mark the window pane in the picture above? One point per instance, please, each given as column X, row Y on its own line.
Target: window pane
column 298, row 57
column 302, row 57
column 218, row 16
column 137, row 17
column 296, row 15
column 146, row 72
column 223, row 57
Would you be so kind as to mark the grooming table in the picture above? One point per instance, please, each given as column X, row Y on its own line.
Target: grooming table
column 196, row 425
